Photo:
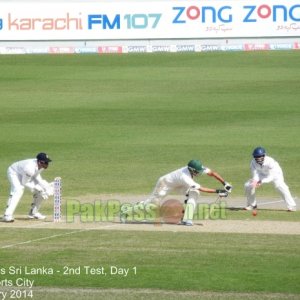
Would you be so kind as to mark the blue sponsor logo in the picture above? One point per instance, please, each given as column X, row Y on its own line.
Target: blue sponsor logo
column 129, row 21
column 204, row 14
column 250, row 13
column 104, row 21
column 276, row 13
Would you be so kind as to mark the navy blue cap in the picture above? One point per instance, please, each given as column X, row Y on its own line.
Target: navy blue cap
column 43, row 157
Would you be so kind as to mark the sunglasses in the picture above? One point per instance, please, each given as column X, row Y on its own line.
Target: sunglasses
column 44, row 162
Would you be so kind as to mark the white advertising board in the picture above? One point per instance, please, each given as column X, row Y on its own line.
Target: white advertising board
column 140, row 19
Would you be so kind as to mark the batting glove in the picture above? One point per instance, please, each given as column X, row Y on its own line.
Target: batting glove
column 227, row 187
column 222, row 193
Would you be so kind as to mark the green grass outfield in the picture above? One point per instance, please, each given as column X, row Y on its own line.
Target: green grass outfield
column 112, row 125
column 191, row 263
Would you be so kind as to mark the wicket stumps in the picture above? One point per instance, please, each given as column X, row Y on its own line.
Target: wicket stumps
column 57, row 200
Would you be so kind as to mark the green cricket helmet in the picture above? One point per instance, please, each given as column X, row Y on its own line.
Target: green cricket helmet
column 195, row 167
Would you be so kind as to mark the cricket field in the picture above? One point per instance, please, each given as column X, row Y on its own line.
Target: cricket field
column 113, row 124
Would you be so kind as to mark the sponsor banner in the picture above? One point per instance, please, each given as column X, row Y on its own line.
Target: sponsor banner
column 137, row 19
column 206, row 48
column 185, row 48
column 37, row 50
column 12, row 50
column 61, row 50
column 162, row 48
column 222, row 48
column 110, row 49
column 232, row 47
column 86, row 50
column 296, row 46
column 278, row 46
column 148, row 49
column 135, row 49
column 256, row 47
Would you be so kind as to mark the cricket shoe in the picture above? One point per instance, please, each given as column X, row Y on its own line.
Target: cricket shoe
column 291, row 209
column 250, row 207
column 186, row 223
column 8, row 219
column 37, row 216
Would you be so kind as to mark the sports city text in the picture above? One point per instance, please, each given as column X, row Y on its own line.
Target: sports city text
column 107, row 211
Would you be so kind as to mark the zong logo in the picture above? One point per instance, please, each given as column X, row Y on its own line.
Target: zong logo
column 226, row 14
column 191, row 13
column 1, row 24
column 277, row 12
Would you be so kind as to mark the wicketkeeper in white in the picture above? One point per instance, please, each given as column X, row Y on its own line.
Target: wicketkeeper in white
column 27, row 174
column 265, row 169
column 182, row 181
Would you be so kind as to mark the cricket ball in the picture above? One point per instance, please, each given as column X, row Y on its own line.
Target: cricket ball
column 171, row 211
column 254, row 213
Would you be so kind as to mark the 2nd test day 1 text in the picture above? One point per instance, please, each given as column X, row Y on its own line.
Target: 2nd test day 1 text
column 87, row 270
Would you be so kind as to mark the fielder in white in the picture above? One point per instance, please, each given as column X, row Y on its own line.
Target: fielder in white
column 181, row 181
column 265, row 169
column 27, row 174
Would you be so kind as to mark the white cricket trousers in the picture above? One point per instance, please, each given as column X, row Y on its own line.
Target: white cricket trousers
column 16, row 192
column 279, row 185
column 162, row 189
